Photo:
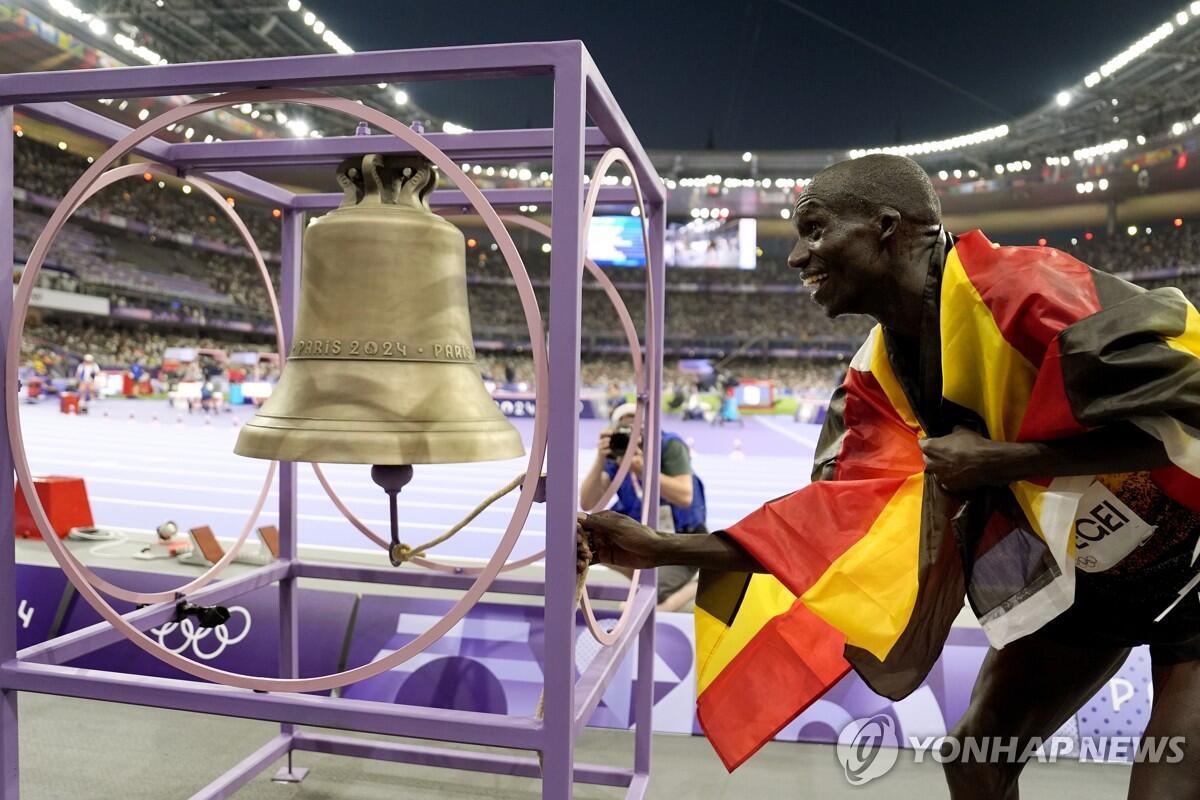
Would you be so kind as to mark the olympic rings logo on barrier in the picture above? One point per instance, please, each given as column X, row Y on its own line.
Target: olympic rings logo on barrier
column 193, row 635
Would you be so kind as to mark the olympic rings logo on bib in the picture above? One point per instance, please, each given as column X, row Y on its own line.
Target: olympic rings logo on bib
column 204, row 643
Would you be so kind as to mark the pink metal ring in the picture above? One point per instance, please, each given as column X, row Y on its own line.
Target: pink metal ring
column 29, row 278
column 635, row 350
column 537, row 451
column 611, row 156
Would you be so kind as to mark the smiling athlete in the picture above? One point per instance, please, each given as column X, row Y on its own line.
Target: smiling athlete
column 1018, row 428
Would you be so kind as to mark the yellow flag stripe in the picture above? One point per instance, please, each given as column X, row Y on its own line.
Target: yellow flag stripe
column 881, row 370
column 869, row 592
column 1189, row 340
column 980, row 370
column 717, row 645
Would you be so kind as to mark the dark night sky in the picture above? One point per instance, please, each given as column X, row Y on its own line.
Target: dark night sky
column 758, row 75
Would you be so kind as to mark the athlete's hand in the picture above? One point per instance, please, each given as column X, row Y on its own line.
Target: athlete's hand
column 962, row 460
column 611, row 538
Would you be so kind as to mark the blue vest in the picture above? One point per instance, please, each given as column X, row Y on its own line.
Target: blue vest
column 630, row 504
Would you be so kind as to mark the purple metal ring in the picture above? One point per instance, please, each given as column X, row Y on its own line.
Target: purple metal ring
column 537, row 450
column 21, row 305
column 611, row 156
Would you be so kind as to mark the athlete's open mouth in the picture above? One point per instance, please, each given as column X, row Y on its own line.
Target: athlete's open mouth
column 813, row 280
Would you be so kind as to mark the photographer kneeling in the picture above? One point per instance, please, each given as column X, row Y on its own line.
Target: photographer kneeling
column 681, row 509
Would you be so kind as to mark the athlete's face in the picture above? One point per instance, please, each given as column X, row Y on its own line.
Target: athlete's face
column 840, row 257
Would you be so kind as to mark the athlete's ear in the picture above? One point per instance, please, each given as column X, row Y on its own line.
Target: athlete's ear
column 889, row 223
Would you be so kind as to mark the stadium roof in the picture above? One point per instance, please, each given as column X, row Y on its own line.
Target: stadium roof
column 1142, row 103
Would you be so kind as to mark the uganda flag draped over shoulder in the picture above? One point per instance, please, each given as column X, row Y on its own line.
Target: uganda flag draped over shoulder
column 870, row 562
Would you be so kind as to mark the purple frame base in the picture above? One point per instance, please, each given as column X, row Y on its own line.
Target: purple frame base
column 579, row 93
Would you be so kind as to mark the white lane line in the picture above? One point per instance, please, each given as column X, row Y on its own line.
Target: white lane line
column 783, row 430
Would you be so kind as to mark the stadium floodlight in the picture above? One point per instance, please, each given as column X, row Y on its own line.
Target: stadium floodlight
column 1115, row 102
column 97, row 26
column 1178, row 128
column 1138, row 48
column 524, row 174
column 189, row 133
column 298, row 127
column 786, row 213
column 545, row 247
column 972, row 173
column 747, row 156
column 400, row 97
column 318, row 27
column 635, row 211
column 254, row 114
column 1196, row 119
column 999, row 169
column 1092, row 79
column 490, row 171
column 1182, row 18
column 1063, row 98
column 309, row 18
column 453, row 127
column 281, row 117
column 957, row 174
column 293, row 5
column 208, row 139
column 1102, row 184
column 1087, row 153
column 62, row 145
column 187, row 188
column 1131, row 230
column 937, row 146
column 943, row 175
column 1141, row 139
column 144, row 114
column 1195, row 9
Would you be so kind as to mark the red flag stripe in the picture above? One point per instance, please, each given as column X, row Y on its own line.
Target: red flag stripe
column 1056, row 290
column 878, row 442
column 1048, row 414
column 799, row 535
column 792, row 661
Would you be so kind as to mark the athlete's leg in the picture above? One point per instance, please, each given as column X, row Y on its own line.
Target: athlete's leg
column 1027, row 690
column 1176, row 712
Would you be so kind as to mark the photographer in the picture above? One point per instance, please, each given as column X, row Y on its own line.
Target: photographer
column 682, row 507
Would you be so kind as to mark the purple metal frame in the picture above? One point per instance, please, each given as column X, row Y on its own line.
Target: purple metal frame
column 579, row 92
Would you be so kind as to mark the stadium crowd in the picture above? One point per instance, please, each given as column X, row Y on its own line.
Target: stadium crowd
column 155, row 274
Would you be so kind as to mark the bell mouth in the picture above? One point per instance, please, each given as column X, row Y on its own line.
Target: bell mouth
column 330, row 442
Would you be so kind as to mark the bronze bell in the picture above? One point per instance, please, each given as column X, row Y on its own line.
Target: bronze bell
column 382, row 367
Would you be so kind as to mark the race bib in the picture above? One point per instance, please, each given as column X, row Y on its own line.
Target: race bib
column 1106, row 530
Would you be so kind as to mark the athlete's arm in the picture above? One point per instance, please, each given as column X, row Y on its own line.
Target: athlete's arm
column 611, row 538
column 965, row 460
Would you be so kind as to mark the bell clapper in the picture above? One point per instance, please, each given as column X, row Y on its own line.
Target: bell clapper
column 392, row 478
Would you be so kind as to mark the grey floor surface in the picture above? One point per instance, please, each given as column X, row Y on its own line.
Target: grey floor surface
column 83, row 750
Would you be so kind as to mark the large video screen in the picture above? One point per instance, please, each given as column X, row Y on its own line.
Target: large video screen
column 616, row 242
column 731, row 244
